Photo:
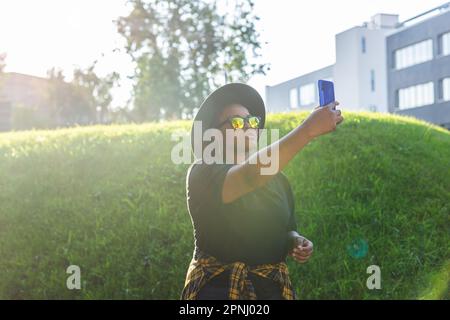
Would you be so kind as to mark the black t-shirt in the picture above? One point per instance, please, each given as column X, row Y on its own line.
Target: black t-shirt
column 252, row 229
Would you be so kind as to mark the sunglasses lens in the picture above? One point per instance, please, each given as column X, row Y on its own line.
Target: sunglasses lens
column 237, row 123
column 253, row 122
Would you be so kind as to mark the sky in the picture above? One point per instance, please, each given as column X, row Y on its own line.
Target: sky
column 297, row 35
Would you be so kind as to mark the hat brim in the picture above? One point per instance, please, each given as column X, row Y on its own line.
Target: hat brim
column 232, row 93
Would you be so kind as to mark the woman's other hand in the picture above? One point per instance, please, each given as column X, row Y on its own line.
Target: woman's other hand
column 322, row 120
column 302, row 250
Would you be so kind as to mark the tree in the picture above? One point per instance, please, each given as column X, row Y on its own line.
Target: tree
column 185, row 48
column 68, row 103
column 84, row 100
column 57, row 97
column 96, row 90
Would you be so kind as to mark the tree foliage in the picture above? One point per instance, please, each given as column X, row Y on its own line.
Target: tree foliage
column 96, row 90
column 86, row 99
column 183, row 49
column 67, row 103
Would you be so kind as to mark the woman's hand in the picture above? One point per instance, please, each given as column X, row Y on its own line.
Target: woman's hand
column 322, row 120
column 302, row 250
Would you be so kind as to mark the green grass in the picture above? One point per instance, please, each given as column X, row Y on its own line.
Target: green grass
column 108, row 199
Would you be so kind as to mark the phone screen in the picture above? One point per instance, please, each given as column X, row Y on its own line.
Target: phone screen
column 326, row 92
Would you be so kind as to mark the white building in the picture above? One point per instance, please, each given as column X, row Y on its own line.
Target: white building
column 383, row 66
column 359, row 74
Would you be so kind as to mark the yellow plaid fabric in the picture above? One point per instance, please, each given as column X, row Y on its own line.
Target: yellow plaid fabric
column 204, row 267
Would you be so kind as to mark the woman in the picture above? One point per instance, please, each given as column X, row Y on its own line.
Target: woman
column 244, row 222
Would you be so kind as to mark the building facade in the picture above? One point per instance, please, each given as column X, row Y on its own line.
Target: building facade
column 298, row 93
column 418, row 67
column 28, row 102
column 20, row 91
column 383, row 66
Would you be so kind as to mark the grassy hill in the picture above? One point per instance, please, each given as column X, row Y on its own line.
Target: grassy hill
column 108, row 199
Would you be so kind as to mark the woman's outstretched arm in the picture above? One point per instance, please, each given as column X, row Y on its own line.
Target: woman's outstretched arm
column 246, row 177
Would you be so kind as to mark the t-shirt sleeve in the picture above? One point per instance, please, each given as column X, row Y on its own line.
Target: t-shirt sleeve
column 205, row 185
column 292, row 225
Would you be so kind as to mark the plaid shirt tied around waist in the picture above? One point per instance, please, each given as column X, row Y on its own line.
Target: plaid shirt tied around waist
column 204, row 267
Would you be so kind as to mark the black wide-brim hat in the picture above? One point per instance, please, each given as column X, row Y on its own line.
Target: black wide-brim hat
column 232, row 93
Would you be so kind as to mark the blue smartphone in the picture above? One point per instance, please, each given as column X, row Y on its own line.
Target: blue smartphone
column 326, row 92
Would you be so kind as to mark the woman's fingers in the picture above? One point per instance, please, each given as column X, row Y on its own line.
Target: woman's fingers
column 303, row 251
column 302, row 256
column 301, row 259
column 332, row 106
column 339, row 117
column 308, row 248
column 307, row 245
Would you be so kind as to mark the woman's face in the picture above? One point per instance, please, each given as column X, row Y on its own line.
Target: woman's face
column 251, row 135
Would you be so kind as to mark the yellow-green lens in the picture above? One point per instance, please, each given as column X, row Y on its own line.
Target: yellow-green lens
column 237, row 123
column 253, row 122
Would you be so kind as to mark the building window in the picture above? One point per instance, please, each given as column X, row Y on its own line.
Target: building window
column 444, row 89
column 416, row 96
column 414, row 54
column 372, row 80
column 307, row 94
column 363, row 44
column 444, row 44
column 293, row 98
